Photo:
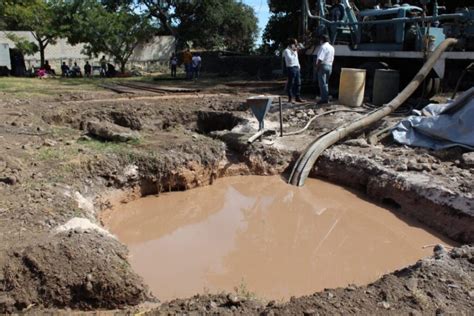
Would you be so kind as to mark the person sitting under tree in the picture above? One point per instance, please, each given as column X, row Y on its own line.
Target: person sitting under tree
column 65, row 71
column 48, row 69
column 76, row 71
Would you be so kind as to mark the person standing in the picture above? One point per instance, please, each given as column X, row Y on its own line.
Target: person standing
column 103, row 67
column 196, row 64
column 187, row 61
column 324, row 61
column 292, row 63
column 87, row 69
column 173, row 65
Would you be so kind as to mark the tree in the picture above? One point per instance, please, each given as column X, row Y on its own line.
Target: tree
column 162, row 10
column 209, row 24
column 283, row 24
column 23, row 44
column 38, row 17
column 115, row 33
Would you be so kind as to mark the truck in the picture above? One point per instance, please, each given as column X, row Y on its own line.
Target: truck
column 390, row 34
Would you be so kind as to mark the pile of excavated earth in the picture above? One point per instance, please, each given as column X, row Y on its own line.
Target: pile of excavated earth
column 64, row 157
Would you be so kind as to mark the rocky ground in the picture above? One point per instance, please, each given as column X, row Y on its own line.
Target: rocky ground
column 63, row 153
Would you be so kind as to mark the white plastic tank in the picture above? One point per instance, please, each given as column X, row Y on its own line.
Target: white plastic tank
column 386, row 86
column 352, row 87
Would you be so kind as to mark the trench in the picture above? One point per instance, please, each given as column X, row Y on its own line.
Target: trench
column 261, row 237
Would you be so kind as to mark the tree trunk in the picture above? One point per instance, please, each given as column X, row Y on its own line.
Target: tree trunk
column 41, row 51
column 122, row 66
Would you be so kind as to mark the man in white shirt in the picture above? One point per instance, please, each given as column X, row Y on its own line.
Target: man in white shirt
column 293, row 86
column 324, row 62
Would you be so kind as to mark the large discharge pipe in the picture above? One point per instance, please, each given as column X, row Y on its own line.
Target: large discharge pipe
column 307, row 160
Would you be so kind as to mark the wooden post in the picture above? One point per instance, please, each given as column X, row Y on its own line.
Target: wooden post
column 281, row 117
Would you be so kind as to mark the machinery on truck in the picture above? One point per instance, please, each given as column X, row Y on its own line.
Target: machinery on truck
column 390, row 34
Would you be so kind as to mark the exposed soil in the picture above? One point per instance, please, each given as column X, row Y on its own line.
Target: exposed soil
column 53, row 169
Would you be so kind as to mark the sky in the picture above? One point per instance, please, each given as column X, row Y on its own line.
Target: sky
column 263, row 13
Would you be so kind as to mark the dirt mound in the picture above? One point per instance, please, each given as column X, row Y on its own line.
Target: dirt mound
column 77, row 269
column 437, row 285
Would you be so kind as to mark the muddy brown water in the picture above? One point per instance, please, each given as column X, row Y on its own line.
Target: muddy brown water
column 260, row 235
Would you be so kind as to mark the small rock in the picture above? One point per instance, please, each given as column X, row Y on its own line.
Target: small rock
column 330, row 295
column 426, row 166
column 89, row 287
column 412, row 284
column 439, row 312
column 351, row 288
column 471, row 294
column 234, row 299
column 401, row 167
column 6, row 303
column 49, row 143
column 112, row 132
column 309, row 312
column 439, row 251
column 468, row 159
column 414, row 312
column 359, row 142
column 84, row 138
column 213, row 304
column 414, row 166
column 384, row 304
column 11, row 180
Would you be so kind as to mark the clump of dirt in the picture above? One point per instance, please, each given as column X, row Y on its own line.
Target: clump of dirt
column 77, row 269
column 437, row 285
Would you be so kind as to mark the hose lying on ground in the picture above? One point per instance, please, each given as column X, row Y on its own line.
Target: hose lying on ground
column 319, row 115
column 307, row 160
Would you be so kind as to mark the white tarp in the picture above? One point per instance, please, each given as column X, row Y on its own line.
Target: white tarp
column 440, row 126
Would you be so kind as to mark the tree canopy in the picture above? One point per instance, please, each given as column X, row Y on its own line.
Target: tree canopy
column 116, row 27
column 114, row 32
column 283, row 24
column 211, row 24
column 36, row 16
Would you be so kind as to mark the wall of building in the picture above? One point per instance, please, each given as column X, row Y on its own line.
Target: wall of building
column 147, row 56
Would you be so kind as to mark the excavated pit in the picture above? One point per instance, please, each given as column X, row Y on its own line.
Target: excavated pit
column 262, row 236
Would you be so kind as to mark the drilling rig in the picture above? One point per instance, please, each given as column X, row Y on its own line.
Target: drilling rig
column 395, row 35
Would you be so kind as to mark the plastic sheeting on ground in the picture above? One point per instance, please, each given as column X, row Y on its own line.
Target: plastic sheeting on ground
column 440, row 126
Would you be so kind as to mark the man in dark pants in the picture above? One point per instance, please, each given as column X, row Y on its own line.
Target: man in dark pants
column 292, row 63
column 324, row 63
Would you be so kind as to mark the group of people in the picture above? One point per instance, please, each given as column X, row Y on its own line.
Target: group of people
column 323, row 66
column 75, row 71
column 192, row 64
column 106, row 70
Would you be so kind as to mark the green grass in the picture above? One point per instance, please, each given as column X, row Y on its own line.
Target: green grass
column 104, row 146
column 51, row 153
column 30, row 87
